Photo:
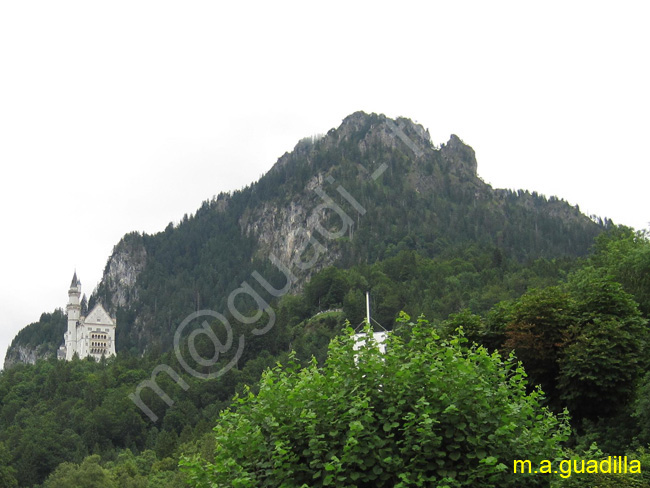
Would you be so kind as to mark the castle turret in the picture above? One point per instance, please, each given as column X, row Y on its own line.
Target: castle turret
column 74, row 312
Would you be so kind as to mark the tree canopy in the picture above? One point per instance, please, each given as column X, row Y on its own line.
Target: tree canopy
column 428, row 412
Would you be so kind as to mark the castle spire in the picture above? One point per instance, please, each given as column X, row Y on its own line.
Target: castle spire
column 75, row 281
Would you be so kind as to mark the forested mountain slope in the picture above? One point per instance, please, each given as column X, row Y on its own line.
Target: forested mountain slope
column 358, row 195
column 370, row 206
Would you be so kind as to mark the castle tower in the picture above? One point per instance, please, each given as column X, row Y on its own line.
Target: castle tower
column 74, row 313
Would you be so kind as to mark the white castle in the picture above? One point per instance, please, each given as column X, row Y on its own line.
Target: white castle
column 88, row 334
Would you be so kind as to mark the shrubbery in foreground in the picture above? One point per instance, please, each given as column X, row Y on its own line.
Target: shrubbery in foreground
column 426, row 413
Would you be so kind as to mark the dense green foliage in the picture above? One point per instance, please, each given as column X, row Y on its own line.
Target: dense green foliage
column 126, row 471
column 625, row 255
column 66, row 412
column 426, row 413
column 7, row 472
column 585, row 342
column 510, row 268
column 84, row 406
column 58, row 411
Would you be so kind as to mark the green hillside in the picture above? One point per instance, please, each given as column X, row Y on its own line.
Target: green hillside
column 430, row 202
column 282, row 264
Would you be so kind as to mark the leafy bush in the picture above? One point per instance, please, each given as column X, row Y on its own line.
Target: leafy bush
column 428, row 413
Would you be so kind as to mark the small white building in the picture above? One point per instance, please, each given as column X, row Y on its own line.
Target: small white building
column 361, row 339
column 88, row 334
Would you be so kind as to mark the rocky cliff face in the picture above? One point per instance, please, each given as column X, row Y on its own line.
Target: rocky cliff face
column 378, row 131
column 118, row 285
column 27, row 354
column 459, row 156
column 287, row 229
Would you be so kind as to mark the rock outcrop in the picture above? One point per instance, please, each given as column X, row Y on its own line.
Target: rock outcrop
column 26, row 354
column 118, row 285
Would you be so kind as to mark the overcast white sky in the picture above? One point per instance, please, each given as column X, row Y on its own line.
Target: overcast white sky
column 124, row 115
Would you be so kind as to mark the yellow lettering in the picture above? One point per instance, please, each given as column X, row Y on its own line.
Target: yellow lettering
column 608, row 463
column 521, row 463
column 635, row 466
column 545, row 467
column 575, row 466
column 592, row 466
column 565, row 468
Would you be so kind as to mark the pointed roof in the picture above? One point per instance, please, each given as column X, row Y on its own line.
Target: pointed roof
column 99, row 316
column 75, row 281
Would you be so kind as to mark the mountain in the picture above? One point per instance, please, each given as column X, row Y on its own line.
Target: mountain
column 362, row 194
